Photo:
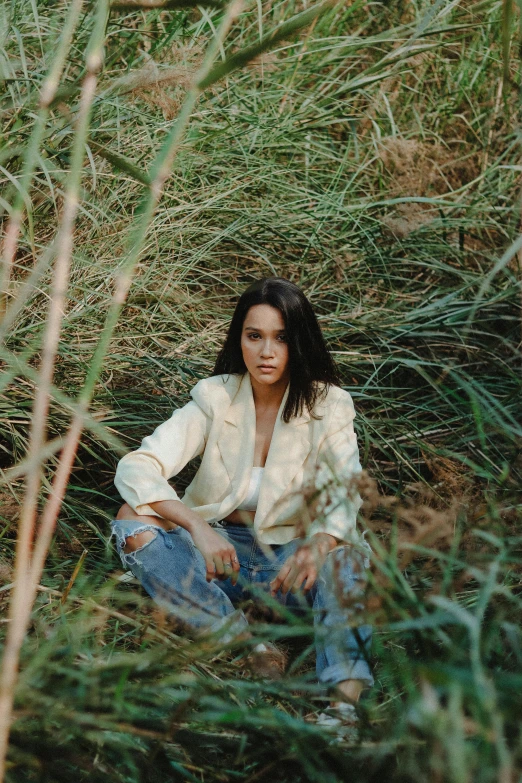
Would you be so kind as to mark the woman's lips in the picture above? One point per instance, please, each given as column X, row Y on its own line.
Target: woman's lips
column 266, row 367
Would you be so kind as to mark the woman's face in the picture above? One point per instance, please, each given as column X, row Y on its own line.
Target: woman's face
column 264, row 346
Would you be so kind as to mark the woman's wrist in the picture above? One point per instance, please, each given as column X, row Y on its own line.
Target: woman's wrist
column 178, row 513
column 195, row 523
column 326, row 540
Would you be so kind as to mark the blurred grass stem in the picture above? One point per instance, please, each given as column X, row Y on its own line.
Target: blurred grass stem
column 25, row 587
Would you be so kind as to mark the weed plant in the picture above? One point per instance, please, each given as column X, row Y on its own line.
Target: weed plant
column 154, row 160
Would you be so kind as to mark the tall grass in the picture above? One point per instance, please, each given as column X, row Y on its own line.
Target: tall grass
column 156, row 160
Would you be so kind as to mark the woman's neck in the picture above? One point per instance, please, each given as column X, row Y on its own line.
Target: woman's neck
column 268, row 396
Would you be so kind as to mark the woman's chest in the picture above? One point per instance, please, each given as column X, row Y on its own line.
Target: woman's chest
column 265, row 423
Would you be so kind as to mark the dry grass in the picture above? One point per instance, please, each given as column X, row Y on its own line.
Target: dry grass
column 162, row 88
column 388, row 190
column 416, row 169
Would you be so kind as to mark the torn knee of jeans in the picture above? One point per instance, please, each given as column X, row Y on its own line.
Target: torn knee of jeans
column 122, row 539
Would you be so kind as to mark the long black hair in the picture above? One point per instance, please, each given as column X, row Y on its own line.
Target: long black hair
column 309, row 361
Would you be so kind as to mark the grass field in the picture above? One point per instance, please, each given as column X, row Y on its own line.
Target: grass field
column 154, row 160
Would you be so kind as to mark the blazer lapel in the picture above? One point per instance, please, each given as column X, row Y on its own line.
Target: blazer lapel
column 236, row 441
column 289, row 447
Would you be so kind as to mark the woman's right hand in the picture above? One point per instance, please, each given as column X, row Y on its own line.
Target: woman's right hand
column 220, row 556
column 221, row 560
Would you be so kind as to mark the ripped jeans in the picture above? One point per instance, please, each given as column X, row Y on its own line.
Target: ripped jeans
column 172, row 571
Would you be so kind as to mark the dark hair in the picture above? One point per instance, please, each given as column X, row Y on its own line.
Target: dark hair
column 308, row 357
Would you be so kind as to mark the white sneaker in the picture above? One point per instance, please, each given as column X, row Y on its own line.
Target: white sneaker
column 342, row 720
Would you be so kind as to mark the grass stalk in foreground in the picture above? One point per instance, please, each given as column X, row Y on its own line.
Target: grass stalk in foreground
column 28, row 570
column 23, row 591
column 47, row 95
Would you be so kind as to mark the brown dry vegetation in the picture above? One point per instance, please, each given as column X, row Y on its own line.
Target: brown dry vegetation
column 388, row 189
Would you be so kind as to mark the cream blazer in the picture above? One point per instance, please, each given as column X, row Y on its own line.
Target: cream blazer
column 219, row 423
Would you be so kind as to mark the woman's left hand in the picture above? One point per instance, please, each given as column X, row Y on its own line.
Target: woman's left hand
column 302, row 568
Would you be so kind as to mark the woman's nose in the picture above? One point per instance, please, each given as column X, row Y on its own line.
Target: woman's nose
column 267, row 349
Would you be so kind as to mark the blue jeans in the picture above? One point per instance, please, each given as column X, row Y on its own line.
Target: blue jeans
column 172, row 571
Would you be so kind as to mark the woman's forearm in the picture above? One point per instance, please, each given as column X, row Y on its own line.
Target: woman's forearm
column 178, row 513
column 220, row 556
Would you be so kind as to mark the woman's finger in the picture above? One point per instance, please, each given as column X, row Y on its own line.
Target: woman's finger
column 220, row 570
column 311, row 579
column 228, row 556
column 235, row 568
column 211, row 569
column 290, row 578
column 231, row 565
column 276, row 583
column 299, row 579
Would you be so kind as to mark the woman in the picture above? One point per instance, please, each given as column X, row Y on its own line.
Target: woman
column 269, row 423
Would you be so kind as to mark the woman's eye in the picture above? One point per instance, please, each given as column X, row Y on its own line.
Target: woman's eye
column 255, row 336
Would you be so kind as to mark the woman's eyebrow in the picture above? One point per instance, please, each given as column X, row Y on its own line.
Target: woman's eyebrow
column 256, row 329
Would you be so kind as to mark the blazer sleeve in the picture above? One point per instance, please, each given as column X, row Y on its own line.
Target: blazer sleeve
column 142, row 475
column 336, row 477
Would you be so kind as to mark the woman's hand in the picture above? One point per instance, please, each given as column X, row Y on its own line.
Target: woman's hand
column 221, row 560
column 302, row 568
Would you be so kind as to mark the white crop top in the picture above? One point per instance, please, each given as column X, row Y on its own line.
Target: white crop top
column 250, row 502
